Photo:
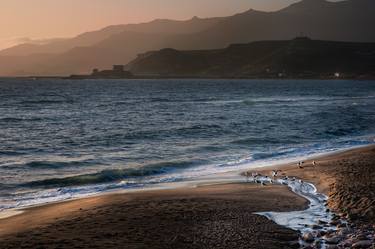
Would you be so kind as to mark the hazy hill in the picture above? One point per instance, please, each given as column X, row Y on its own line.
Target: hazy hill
column 165, row 26
column 159, row 26
column 85, row 39
column 300, row 57
column 350, row 20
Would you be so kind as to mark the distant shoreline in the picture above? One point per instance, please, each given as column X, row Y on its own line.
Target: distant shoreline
column 187, row 77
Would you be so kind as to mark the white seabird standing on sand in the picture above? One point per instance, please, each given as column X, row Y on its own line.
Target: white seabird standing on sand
column 275, row 173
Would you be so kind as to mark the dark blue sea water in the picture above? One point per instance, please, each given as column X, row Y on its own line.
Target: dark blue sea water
column 61, row 139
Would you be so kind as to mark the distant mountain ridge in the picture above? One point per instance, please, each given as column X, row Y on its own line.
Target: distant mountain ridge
column 297, row 58
column 162, row 26
column 350, row 20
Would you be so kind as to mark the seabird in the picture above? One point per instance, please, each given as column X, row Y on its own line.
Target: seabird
column 300, row 165
column 275, row 173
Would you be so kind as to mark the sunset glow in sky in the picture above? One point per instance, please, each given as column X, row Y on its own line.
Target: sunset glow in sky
column 41, row 19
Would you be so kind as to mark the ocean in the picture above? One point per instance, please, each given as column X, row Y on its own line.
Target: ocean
column 62, row 139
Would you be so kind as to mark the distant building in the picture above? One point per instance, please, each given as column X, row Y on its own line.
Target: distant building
column 117, row 72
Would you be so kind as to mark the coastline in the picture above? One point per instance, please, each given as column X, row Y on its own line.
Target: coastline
column 140, row 77
column 221, row 176
column 324, row 176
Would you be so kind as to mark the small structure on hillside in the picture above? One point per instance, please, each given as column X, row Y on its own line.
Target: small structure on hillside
column 117, row 72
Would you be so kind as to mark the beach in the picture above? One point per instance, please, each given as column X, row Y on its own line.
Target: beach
column 209, row 216
column 347, row 178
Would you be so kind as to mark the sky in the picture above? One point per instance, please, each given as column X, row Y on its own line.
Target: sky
column 21, row 20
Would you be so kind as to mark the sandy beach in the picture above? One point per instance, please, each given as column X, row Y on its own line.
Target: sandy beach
column 347, row 178
column 215, row 216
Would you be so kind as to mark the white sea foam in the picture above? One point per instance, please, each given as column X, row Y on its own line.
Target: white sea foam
column 304, row 221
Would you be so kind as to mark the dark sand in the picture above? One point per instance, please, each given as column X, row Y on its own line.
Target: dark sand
column 219, row 216
column 207, row 217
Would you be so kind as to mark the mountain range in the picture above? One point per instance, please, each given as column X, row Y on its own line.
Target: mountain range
column 297, row 58
column 350, row 20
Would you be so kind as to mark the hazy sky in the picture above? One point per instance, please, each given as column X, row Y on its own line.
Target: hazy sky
column 38, row 19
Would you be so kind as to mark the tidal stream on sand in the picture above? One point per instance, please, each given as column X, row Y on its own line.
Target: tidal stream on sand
column 303, row 221
column 318, row 225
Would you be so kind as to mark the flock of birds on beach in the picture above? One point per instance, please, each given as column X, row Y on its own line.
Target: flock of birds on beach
column 264, row 180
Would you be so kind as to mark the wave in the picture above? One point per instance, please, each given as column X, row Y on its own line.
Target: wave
column 198, row 128
column 11, row 153
column 266, row 155
column 56, row 164
column 39, row 102
column 47, row 165
column 339, row 132
column 208, row 148
column 262, row 141
column 262, row 100
column 161, row 100
column 15, row 120
column 113, row 175
column 48, row 99
column 287, row 100
column 152, row 134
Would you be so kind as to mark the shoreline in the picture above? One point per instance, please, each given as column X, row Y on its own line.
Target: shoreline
column 234, row 176
column 323, row 177
column 187, row 78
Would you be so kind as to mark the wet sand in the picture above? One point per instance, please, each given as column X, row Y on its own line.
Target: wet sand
column 217, row 216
